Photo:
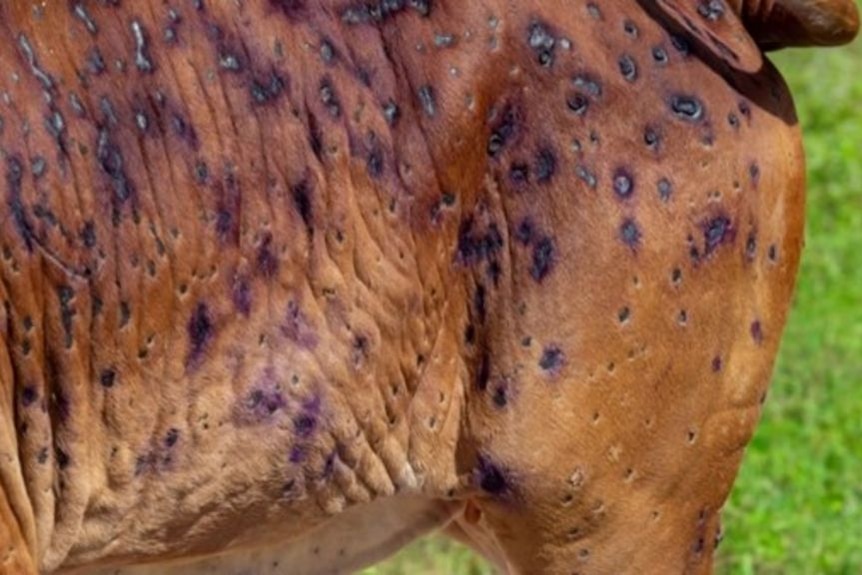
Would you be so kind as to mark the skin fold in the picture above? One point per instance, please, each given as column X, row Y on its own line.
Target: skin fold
column 286, row 284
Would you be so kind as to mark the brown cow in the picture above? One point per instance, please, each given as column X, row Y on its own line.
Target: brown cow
column 286, row 284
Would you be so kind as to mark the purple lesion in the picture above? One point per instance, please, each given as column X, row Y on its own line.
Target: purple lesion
column 306, row 422
column 200, row 333
column 297, row 328
column 160, row 456
column 266, row 401
column 241, row 295
column 491, row 477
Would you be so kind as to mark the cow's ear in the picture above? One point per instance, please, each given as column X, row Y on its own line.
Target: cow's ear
column 718, row 27
column 803, row 23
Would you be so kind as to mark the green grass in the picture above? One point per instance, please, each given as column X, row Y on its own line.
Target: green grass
column 797, row 505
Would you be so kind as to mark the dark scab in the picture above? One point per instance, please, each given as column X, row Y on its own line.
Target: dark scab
column 546, row 165
column 55, row 125
column 184, row 130
column 27, row 50
column 751, row 247
column 268, row 89
column 374, row 162
column 665, row 189
column 171, row 437
column 711, row 10
column 297, row 455
column 29, row 395
column 519, row 174
column 628, row 67
column 687, row 108
column 423, row 7
column 125, row 314
column 297, row 328
column 503, row 132
column 543, row 43
column 717, row 231
column 200, row 331
column 38, row 166
column 427, row 99
column 630, row 233
column 263, row 403
column 586, row 176
column 76, row 105
column 14, row 176
column 329, row 98
column 681, row 44
column 88, row 234
column 108, row 378
column 589, row 84
column 733, row 120
column 292, row 9
column 716, row 364
column 391, row 112
column 142, row 52
column 241, row 296
column 301, row 194
column 306, row 422
column 62, row 458
column 327, row 51
column 500, row 396
column 267, row 260
column 754, row 173
column 355, row 15
column 80, row 12
column 95, row 62
column 578, row 103
column 624, row 315
column 483, row 375
column 111, row 162
column 756, row 330
column 525, row 231
column 544, row 258
column 229, row 61
column 479, row 304
column 624, row 183
column 772, row 253
column 476, row 246
column 444, row 40
column 67, row 313
column 630, row 29
column 142, row 120
column 659, row 55
column 491, row 478
column 552, row 359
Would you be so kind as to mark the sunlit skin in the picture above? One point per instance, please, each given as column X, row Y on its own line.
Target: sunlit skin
column 288, row 284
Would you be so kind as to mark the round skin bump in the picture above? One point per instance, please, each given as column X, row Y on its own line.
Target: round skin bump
column 277, row 275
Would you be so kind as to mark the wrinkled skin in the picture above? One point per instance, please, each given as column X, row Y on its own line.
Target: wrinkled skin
column 287, row 284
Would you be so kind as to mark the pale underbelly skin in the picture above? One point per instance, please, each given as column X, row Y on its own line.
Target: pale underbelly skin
column 359, row 537
column 280, row 275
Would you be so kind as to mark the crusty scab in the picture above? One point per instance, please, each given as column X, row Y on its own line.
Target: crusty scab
column 112, row 164
column 23, row 225
column 143, row 60
column 543, row 43
column 81, row 13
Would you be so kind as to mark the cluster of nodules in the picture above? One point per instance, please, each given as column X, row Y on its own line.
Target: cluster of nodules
column 376, row 12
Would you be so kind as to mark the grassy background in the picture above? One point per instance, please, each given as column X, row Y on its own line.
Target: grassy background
column 797, row 505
